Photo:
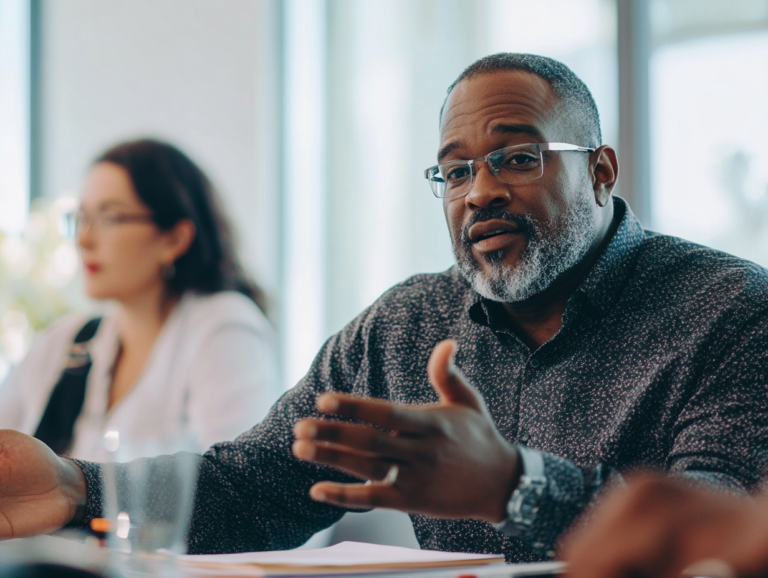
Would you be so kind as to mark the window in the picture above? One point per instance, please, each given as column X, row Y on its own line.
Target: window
column 708, row 118
column 579, row 33
column 14, row 113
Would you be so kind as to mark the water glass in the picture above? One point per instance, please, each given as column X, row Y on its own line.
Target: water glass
column 148, row 496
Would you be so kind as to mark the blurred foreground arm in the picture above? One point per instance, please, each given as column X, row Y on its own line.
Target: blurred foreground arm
column 658, row 527
column 39, row 491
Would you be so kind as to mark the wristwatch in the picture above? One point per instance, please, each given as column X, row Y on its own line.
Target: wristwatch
column 524, row 503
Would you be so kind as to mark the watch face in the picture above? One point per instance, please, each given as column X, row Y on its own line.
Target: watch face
column 526, row 500
column 523, row 506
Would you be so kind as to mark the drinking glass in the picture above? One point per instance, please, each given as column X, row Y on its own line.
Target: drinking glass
column 148, row 496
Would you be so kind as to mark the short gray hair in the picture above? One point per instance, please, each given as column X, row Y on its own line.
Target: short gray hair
column 571, row 90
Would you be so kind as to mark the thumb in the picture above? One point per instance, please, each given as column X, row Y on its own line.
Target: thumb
column 449, row 383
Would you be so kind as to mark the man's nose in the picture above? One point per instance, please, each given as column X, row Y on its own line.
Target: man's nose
column 487, row 190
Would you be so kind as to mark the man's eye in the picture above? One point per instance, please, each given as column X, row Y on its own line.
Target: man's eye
column 457, row 173
column 520, row 160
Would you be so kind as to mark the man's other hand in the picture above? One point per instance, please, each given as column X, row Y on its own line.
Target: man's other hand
column 662, row 528
column 39, row 491
column 450, row 459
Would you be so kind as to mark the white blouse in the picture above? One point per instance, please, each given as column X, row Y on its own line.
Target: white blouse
column 211, row 375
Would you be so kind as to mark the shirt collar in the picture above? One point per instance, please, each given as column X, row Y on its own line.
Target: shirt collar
column 603, row 285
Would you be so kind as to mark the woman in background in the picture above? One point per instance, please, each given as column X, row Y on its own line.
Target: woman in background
column 185, row 353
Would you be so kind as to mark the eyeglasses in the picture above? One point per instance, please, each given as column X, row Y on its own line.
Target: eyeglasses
column 511, row 165
column 77, row 221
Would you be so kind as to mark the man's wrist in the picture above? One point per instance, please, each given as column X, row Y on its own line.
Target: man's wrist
column 522, row 506
column 75, row 490
column 511, row 481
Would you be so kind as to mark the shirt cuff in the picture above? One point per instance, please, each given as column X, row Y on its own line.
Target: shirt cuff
column 564, row 496
column 94, row 505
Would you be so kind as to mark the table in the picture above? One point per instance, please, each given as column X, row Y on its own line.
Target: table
column 69, row 548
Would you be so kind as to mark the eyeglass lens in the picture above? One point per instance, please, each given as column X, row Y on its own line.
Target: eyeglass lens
column 511, row 165
column 76, row 221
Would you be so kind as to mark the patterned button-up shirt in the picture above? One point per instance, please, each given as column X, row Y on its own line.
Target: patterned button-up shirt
column 661, row 362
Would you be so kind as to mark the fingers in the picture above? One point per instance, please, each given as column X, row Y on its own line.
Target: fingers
column 403, row 419
column 362, row 466
column 449, row 383
column 655, row 527
column 360, row 438
column 713, row 568
column 357, row 495
column 744, row 548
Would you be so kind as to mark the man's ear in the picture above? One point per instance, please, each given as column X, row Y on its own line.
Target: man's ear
column 179, row 239
column 604, row 170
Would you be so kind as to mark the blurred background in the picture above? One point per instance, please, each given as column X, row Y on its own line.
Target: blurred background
column 316, row 119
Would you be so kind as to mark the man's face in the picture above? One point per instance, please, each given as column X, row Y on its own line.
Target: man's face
column 512, row 241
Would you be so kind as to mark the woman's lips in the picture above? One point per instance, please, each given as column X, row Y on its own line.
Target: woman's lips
column 92, row 268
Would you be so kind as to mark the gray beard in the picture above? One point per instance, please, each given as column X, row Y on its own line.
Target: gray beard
column 552, row 249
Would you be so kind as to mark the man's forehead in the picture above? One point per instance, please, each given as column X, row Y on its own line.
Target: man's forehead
column 510, row 98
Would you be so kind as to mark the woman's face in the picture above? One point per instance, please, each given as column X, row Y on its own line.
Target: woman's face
column 124, row 253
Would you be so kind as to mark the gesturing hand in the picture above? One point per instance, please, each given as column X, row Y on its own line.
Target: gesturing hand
column 450, row 459
column 39, row 491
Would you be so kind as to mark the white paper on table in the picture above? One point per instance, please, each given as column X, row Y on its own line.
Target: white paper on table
column 346, row 556
column 530, row 570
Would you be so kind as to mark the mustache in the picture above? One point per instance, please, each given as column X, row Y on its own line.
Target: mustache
column 525, row 223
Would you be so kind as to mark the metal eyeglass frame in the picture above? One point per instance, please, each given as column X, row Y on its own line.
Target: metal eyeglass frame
column 432, row 173
column 77, row 221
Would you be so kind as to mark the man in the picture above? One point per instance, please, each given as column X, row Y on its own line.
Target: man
column 658, row 527
column 594, row 348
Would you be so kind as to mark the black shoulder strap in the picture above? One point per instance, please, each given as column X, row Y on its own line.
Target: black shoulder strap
column 57, row 425
column 88, row 330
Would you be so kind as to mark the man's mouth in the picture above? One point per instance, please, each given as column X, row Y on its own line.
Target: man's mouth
column 490, row 234
column 493, row 235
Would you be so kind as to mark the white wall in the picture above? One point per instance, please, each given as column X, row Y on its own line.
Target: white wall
column 201, row 74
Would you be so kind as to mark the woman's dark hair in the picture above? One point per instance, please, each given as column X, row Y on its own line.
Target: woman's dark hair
column 174, row 188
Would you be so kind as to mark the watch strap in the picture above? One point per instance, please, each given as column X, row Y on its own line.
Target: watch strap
column 523, row 505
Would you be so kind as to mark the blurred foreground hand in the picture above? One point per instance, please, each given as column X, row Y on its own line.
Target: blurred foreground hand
column 661, row 528
column 39, row 491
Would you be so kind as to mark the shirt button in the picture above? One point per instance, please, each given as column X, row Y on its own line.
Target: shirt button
column 524, row 438
column 534, row 363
